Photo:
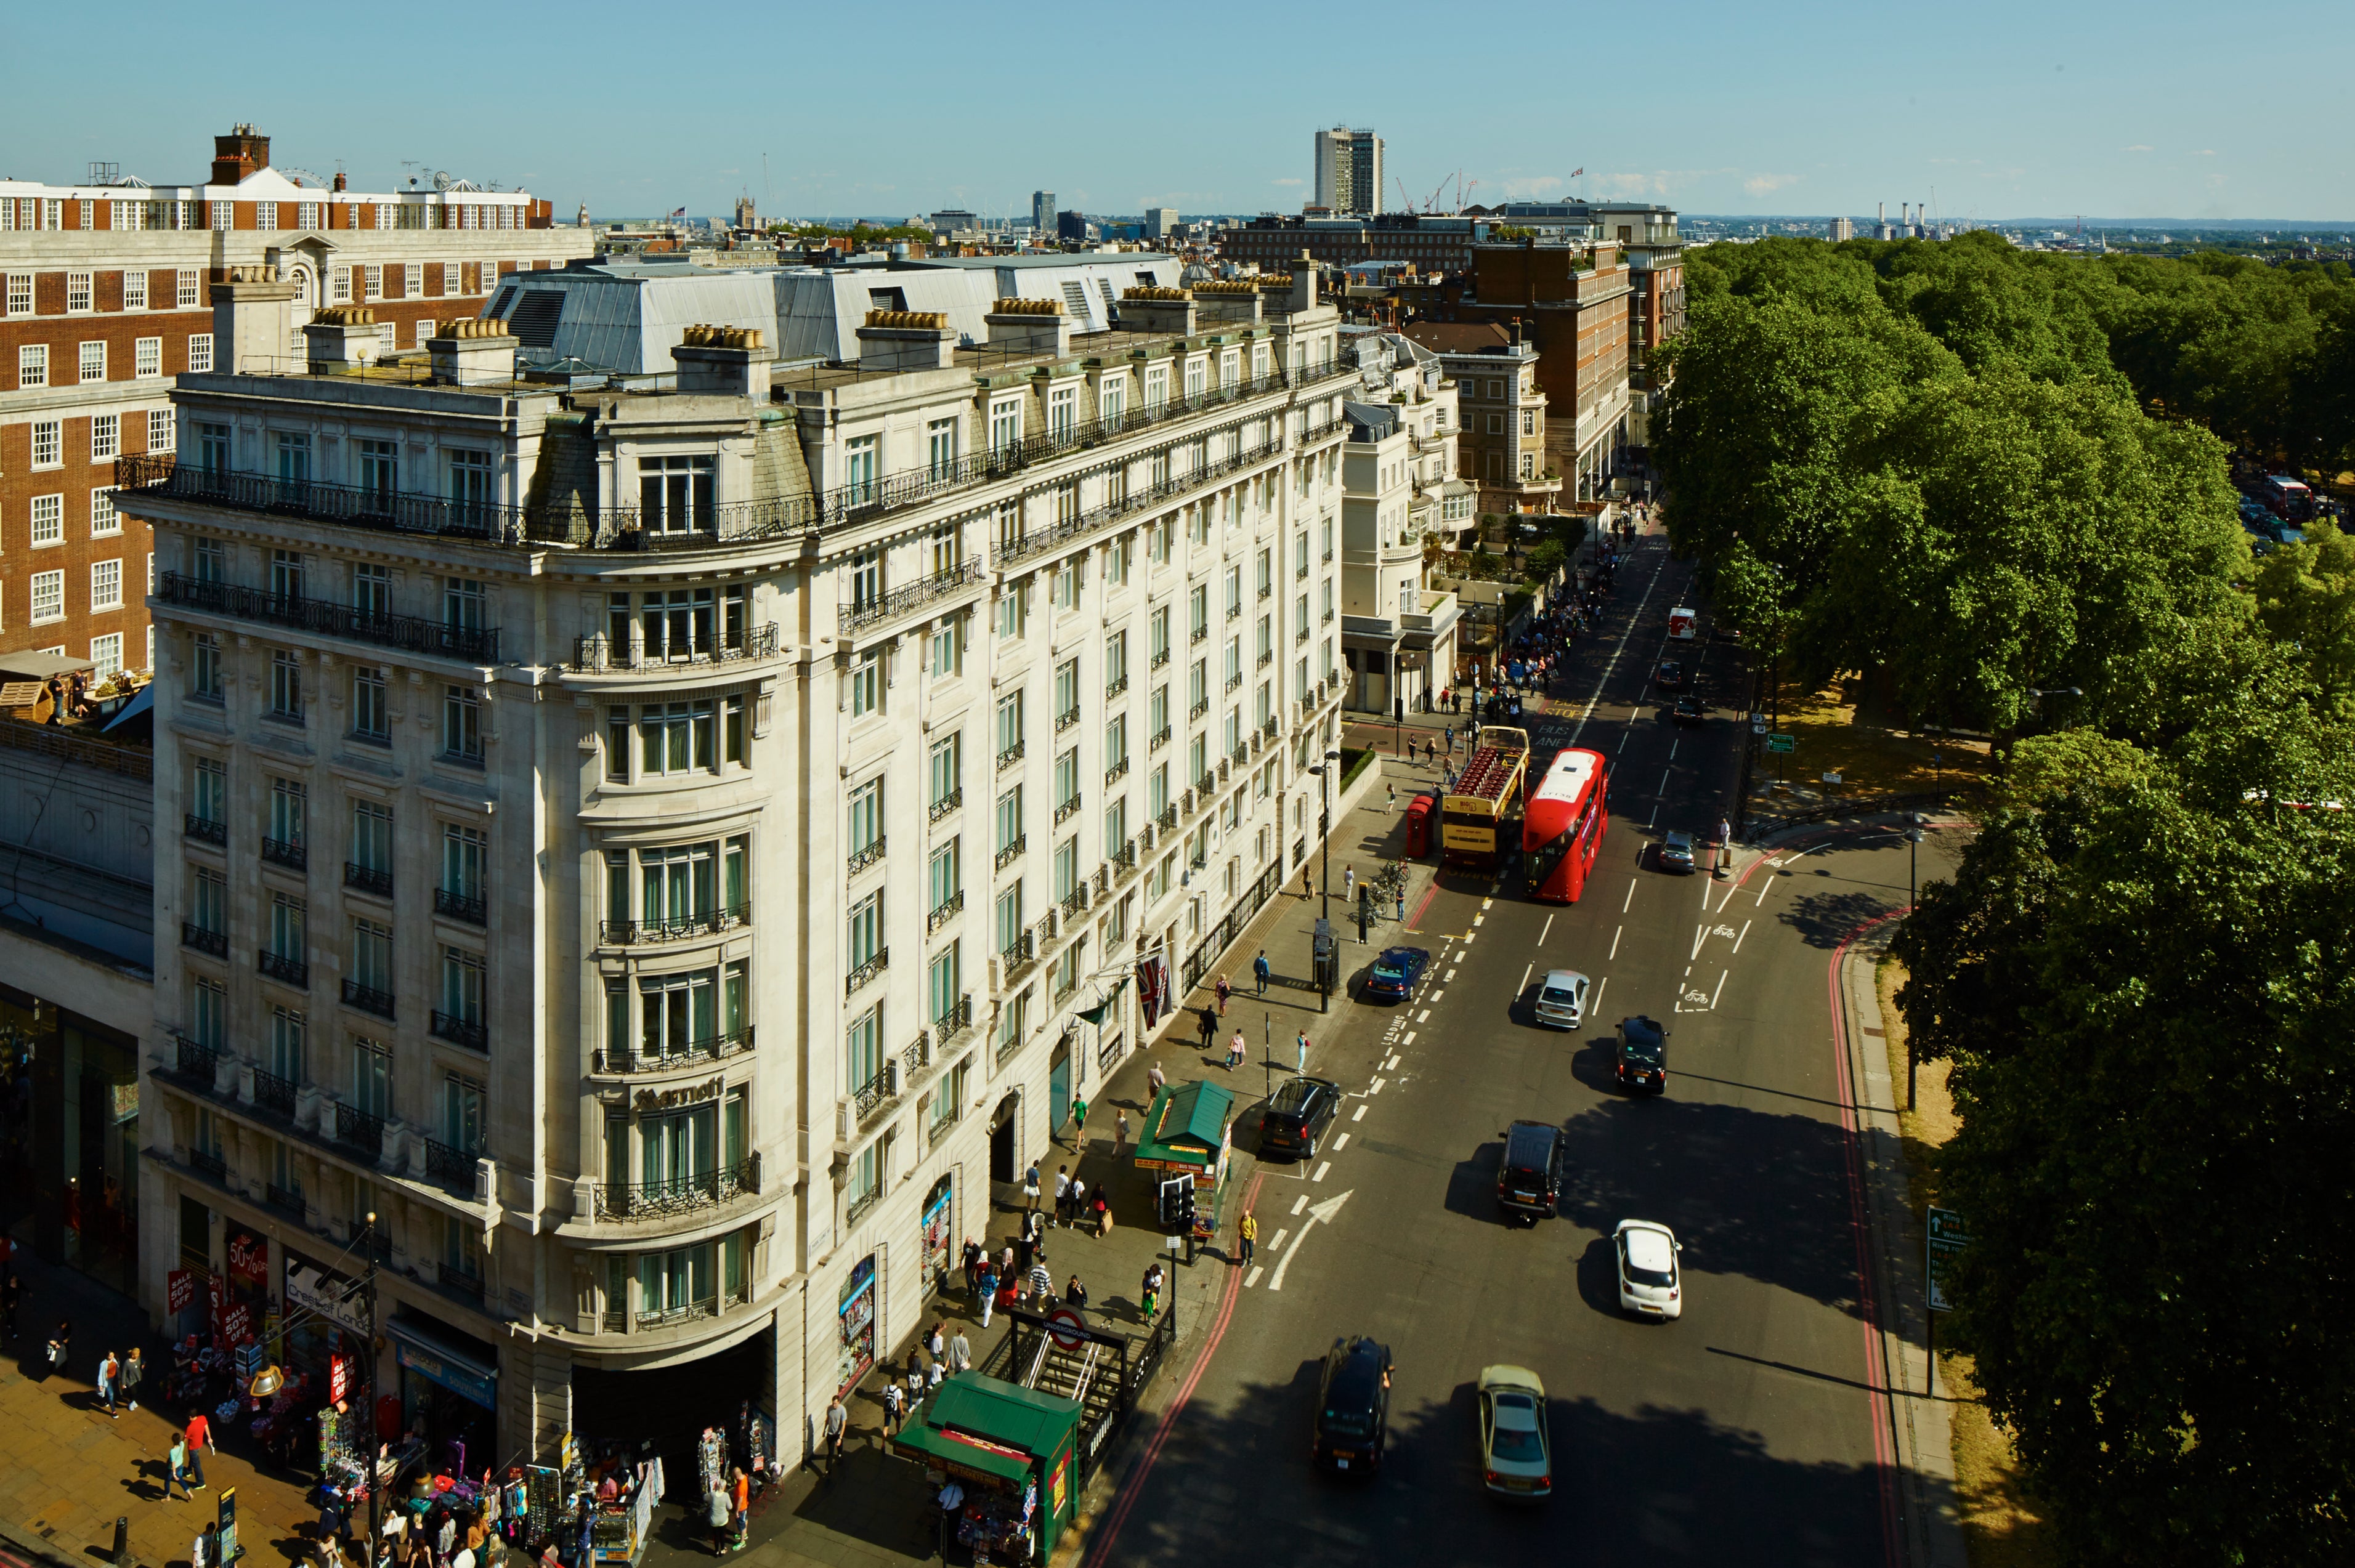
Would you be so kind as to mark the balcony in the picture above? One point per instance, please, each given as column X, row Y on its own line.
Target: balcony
column 860, row 614
column 194, row 1061
column 694, row 1053
column 643, row 933
column 278, row 967
column 1021, row 546
column 470, row 1033
column 273, row 1092
column 1116, row 772
column 873, row 1097
column 1012, row 851
column 410, row 633
column 451, row 1277
column 948, row 909
column 947, row 803
column 857, row 1208
column 205, row 830
column 677, row 1195
column 860, row 976
column 209, row 1162
column 1160, row 658
column 1067, row 810
column 1067, row 718
column 1009, row 757
column 951, row 1025
column 1160, row 738
column 361, row 1130
column 1074, row 901
column 871, row 855
column 1234, row 684
column 653, row 1318
column 279, row 851
column 203, row 941
column 1266, row 657
column 460, row 906
column 1197, row 710
column 286, row 1200
column 450, row 1166
column 1115, row 687
column 367, row 879
column 1017, row 956
column 1200, row 635
column 367, row 999
column 598, row 655
column 1167, row 820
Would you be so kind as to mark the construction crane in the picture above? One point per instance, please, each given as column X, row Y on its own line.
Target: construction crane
column 1438, row 191
column 1406, row 201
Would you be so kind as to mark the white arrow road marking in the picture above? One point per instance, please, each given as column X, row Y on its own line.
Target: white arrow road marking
column 1321, row 1214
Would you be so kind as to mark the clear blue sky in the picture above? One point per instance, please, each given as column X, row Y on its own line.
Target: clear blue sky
column 2161, row 108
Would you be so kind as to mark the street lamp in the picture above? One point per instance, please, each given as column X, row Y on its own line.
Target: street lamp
column 1912, row 871
column 1324, row 938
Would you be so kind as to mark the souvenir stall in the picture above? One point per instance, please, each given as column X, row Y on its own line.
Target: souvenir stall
column 1012, row 1452
column 1189, row 1132
column 621, row 1490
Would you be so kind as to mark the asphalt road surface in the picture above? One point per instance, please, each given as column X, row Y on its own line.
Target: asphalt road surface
column 1744, row 1432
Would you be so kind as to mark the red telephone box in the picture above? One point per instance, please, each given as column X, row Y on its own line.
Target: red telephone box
column 1419, row 813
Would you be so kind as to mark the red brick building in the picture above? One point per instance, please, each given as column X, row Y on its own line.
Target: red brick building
column 105, row 296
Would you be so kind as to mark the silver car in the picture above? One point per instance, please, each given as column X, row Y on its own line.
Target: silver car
column 1561, row 999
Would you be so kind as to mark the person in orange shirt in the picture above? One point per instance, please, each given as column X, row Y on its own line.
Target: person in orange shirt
column 741, row 1495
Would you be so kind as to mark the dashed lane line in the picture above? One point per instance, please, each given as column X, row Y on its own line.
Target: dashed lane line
column 1630, row 899
column 1299, row 1204
column 1547, row 932
column 1340, row 1142
column 1614, row 941
column 1322, row 1166
column 1255, row 1273
column 1360, row 1115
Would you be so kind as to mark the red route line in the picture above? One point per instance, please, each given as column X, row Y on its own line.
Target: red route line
column 1099, row 1546
column 1429, row 893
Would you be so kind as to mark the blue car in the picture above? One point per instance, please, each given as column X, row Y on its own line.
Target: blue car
column 1396, row 973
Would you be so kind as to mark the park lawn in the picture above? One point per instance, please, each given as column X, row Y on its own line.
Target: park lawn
column 1829, row 735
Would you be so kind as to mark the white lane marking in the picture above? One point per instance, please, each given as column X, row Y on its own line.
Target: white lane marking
column 1479, row 920
column 1342, row 1141
column 1323, row 1211
column 1730, row 890
column 1745, row 931
column 1449, row 979
column 1469, row 936
column 1256, row 1271
column 1665, row 774
column 1376, row 1086
column 1437, row 994
column 1322, row 1166
column 1672, row 749
column 1361, row 1115
column 1623, row 740
column 1700, row 935
column 1278, row 1243
column 1302, row 1203
column 1487, row 903
column 1630, row 899
column 1547, row 932
column 1612, row 663
column 1763, row 884
column 1598, row 1003
column 1704, row 897
column 1423, row 1017
column 1525, row 975
column 1719, row 990
column 1408, row 1038
column 1656, row 818
column 1615, row 940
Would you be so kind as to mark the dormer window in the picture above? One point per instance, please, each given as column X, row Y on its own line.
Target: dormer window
column 675, row 494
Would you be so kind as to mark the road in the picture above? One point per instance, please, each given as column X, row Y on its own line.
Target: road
column 1742, row 1433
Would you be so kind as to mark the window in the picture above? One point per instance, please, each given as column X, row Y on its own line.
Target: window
column 1067, row 868
column 948, row 647
column 77, row 292
column 208, row 902
column 185, row 287
column 1005, row 424
column 863, row 1055
column 865, row 823
column 866, row 938
column 462, row 985
column 943, row 990
column 673, row 738
column 285, row 685
column 1062, row 412
column 294, row 456
column 449, row 284
column 461, row 863
column 1157, row 386
column 205, row 673
column 372, row 590
column 339, row 285
column 941, row 448
column 866, row 684
column 1009, row 921
column 470, row 479
column 48, row 597
column 48, row 519
column 946, row 775
column 1067, row 783
column 1067, row 693
column 1009, row 820
column 90, row 365
column 675, row 493
column 106, row 586
column 20, row 294
column 48, row 443
column 371, row 1079
column 287, row 920
column 1010, row 607
column 945, row 875
column 105, row 435
column 462, row 725
column 32, row 365
column 1009, row 728
column 1198, row 605
column 372, row 848
column 462, row 604
column 208, row 1012
column 380, row 474
column 148, row 358
column 462, row 1113
column 201, row 353
column 106, row 654
column 372, row 280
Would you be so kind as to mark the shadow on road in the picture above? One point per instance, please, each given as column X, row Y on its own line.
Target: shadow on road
column 1827, row 919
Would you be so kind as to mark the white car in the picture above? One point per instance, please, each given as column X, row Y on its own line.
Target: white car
column 1651, row 1282
column 1561, row 998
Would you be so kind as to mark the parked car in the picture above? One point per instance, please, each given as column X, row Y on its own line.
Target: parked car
column 1640, row 1060
column 1516, row 1456
column 1396, row 973
column 1296, row 1119
column 1353, row 1405
column 1561, row 998
column 1688, row 711
column 1529, row 1179
column 1651, row 1284
column 1676, row 851
column 1671, row 676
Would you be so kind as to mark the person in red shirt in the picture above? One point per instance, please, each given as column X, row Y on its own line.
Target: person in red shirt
column 200, row 1437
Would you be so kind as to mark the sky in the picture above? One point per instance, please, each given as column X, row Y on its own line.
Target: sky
column 2161, row 108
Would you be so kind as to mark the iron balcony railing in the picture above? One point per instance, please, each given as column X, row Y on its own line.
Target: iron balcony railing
column 357, row 1127
column 1197, row 710
column 278, row 967
column 1009, row 852
column 211, row 1164
column 461, row 906
column 861, row 613
column 653, row 1318
column 1022, row 546
column 273, row 1093
column 279, row 851
column 947, row 803
column 1067, row 810
column 858, row 1206
column 1074, row 901
column 872, row 1096
column 204, row 941
column 1067, row 718
column 286, row 1200
column 1017, row 955
column 446, row 1163
column 194, row 1060
column 1009, row 757
column 872, row 854
column 206, row 829
column 679, row 1195
column 595, row 653
column 470, row 1033
column 954, row 1023
column 367, row 999
column 452, row 1277
column 946, row 910
column 1115, row 687
column 860, row 976
column 1168, row 820
column 712, row 1048
column 1160, row 658
column 638, row 933
column 1198, row 635
column 411, row 633
column 1160, row 738
column 1116, row 772
column 367, row 878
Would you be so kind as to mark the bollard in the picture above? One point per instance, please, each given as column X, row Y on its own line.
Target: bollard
column 121, row 1540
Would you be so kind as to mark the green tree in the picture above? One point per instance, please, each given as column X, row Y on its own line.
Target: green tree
column 2306, row 597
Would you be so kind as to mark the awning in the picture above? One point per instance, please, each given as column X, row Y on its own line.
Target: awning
column 1185, row 1128
column 426, row 1355
column 978, row 1426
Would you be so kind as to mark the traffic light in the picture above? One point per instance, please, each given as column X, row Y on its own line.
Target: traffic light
column 1177, row 1204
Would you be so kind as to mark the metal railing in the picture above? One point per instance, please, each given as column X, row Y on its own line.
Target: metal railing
column 873, row 1096
column 357, row 1127
column 211, row 1164
column 597, row 653
column 206, row 829
column 1067, row 810
column 470, row 1033
column 947, row 803
column 679, row 1195
column 1017, row 955
column 367, row 878
column 860, row 976
column 278, row 967
column 860, row 614
column 870, row 855
column 278, row 852
column 856, row 1210
column 452, row 1277
column 1197, row 710
column 947, row 909
column 712, row 1048
column 954, row 1023
column 1074, row 901
column 411, row 633
column 460, row 906
column 1009, row 757
column 1115, row 687
column 1022, row 546
column 1168, row 820
column 1006, row 855
column 195, row 1061
column 638, row 933
column 445, row 1162
column 691, row 1312
column 367, row 999
column 204, row 941
column 1160, row 658
column 1116, row 772
column 1160, row 738
column 1067, row 718
column 273, row 1093
column 286, row 1200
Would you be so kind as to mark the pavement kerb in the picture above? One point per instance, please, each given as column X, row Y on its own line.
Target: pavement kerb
column 1919, row 1415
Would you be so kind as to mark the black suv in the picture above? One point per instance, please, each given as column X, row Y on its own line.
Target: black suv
column 1353, row 1405
column 1296, row 1119
column 1529, row 1182
column 1641, row 1057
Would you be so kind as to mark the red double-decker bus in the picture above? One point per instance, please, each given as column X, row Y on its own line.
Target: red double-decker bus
column 1561, row 828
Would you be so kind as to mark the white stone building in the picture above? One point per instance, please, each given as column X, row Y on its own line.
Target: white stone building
column 651, row 843
column 1399, row 490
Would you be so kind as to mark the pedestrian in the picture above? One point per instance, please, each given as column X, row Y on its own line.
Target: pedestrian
column 914, row 1393
column 1300, row 1047
column 1042, row 1284
column 988, row 1292
column 179, row 1473
column 1079, row 1199
column 1119, row 1132
column 1210, row 1026
column 200, row 1437
column 1030, row 1184
column 933, row 1342
column 1157, row 1080
column 1223, row 990
column 1063, row 1193
column 205, row 1552
column 60, row 1344
column 1076, row 1295
column 107, row 1369
column 1348, row 883
column 715, row 1498
column 1151, row 1291
column 934, row 1375
column 838, row 1421
column 1236, row 1050
column 960, row 1351
column 1248, row 1232
column 972, row 1264
column 1024, row 1244
column 741, row 1510
column 1260, row 970
column 1078, row 1119
column 134, row 1373
column 1392, row 808
column 1103, row 1215
column 12, row 1295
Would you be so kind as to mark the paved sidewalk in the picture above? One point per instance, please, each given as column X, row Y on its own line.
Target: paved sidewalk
column 71, row 1470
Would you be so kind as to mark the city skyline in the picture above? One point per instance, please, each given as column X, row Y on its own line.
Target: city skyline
column 1830, row 111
